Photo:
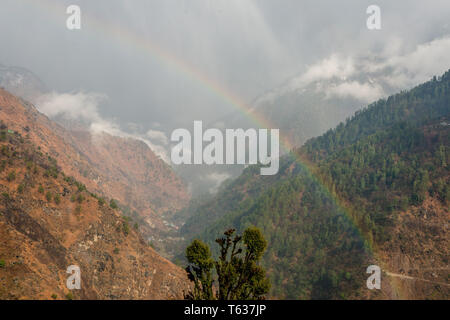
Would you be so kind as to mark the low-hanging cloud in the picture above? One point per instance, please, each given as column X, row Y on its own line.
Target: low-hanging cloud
column 426, row 60
column 216, row 178
column 83, row 108
column 334, row 66
column 365, row 92
column 80, row 105
column 158, row 136
column 369, row 77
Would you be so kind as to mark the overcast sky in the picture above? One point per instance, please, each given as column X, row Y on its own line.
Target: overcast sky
column 164, row 61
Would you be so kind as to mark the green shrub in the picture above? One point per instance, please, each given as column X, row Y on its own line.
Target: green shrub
column 5, row 151
column 125, row 228
column 20, row 188
column 48, row 196
column 113, row 204
column 69, row 296
column 69, row 180
column 101, row 202
column 116, row 251
column 11, row 176
column 57, row 199
column 81, row 187
column 54, row 296
column 41, row 189
column 52, row 172
column 2, row 263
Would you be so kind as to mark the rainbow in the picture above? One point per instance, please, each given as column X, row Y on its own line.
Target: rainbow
column 125, row 37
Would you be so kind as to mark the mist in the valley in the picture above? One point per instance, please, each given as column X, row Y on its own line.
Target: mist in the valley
column 143, row 68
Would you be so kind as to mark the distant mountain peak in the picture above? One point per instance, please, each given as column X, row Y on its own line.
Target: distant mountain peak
column 21, row 82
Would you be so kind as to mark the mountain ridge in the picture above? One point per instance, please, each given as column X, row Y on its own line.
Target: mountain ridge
column 120, row 168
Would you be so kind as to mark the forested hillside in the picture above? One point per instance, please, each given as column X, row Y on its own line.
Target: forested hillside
column 373, row 190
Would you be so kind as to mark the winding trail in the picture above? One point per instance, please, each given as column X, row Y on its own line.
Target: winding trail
column 405, row 277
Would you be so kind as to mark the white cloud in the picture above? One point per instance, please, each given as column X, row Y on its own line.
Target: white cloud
column 334, row 66
column 79, row 105
column 216, row 178
column 159, row 136
column 426, row 60
column 83, row 107
column 368, row 78
column 366, row 92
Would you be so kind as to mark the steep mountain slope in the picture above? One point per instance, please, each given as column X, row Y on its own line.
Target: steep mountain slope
column 49, row 221
column 375, row 190
column 121, row 168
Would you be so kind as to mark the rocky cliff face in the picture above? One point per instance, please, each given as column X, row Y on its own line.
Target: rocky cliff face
column 49, row 221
